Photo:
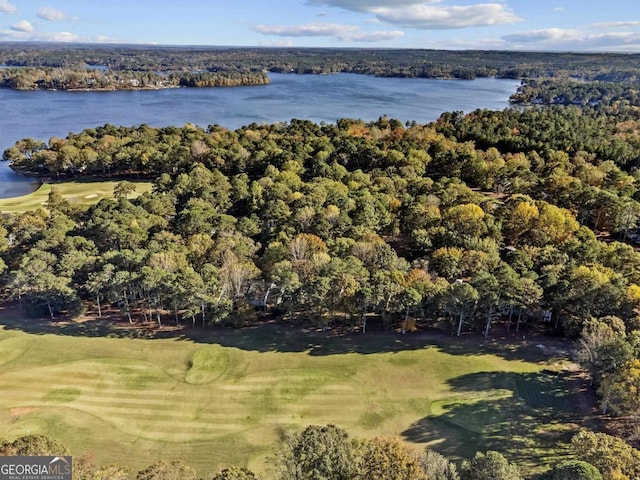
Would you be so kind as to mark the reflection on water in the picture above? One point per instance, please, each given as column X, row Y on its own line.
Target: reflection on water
column 14, row 188
column 14, row 184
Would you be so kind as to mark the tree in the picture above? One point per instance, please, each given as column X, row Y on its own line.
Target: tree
column 438, row 467
column 621, row 391
column 121, row 284
column 123, row 189
column 460, row 301
column 154, row 281
column 99, row 283
column 427, row 285
column 287, row 282
column 467, row 221
column 593, row 290
column 489, row 466
column 316, row 453
column 446, row 262
column 84, row 466
column 527, row 296
column 111, row 472
column 603, row 347
column 489, row 292
column 234, row 473
column 553, row 225
column 344, row 281
column 388, row 458
column 387, row 289
column 622, row 258
column 235, row 274
column 612, row 456
column 196, row 217
column 33, row 445
column 408, row 299
column 574, row 470
column 161, row 470
column 56, row 202
column 40, row 288
column 627, row 217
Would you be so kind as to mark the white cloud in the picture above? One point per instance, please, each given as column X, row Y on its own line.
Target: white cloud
column 545, row 35
column 6, row 7
column 560, row 9
column 627, row 24
column 381, row 36
column 22, row 26
column 367, row 5
column 279, row 43
column 573, row 40
column 307, row 30
column 436, row 17
column 12, row 35
column 63, row 37
column 341, row 32
column 53, row 15
column 551, row 39
column 426, row 14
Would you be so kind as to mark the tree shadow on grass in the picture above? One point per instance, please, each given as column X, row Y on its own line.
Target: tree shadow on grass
column 529, row 417
column 12, row 318
column 280, row 336
column 274, row 335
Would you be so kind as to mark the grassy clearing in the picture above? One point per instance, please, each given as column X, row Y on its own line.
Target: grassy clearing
column 82, row 192
column 226, row 396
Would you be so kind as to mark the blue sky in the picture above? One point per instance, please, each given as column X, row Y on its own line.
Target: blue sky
column 566, row 25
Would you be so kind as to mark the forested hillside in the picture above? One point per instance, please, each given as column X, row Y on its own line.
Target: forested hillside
column 391, row 62
column 28, row 78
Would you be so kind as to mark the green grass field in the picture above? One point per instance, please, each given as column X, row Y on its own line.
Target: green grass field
column 226, row 396
column 82, row 192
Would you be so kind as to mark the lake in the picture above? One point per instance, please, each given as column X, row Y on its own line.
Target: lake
column 321, row 98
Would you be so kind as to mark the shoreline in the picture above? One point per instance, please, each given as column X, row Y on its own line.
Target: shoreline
column 115, row 89
column 167, row 87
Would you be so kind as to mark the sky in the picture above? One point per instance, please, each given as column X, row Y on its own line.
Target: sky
column 538, row 25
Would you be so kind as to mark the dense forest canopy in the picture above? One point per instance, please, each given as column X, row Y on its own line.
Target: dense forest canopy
column 455, row 218
column 558, row 91
column 389, row 62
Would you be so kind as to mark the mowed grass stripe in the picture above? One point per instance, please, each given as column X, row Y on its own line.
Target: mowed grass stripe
column 102, row 394
column 135, row 410
column 13, row 348
column 160, row 427
column 114, row 413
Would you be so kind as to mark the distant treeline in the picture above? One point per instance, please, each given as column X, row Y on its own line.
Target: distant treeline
column 576, row 92
column 396, row 63
column 47, row 78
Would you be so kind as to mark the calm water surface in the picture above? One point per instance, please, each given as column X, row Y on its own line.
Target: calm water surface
column 321, row 98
